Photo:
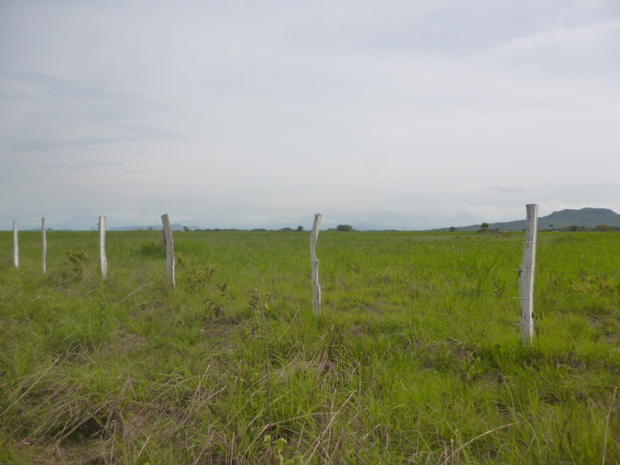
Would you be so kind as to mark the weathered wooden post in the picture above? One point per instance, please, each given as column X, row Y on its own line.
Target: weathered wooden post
column 44, row 245
column 527, row 273
column 169, row 240
column 103, row 259
column 316, row 286
column 15, row 244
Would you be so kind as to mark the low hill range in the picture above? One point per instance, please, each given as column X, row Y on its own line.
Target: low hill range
column 174, row 226
column 568, row 219
column 584, row 218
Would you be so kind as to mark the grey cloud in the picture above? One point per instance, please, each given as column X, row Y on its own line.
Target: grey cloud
column 146, row 132
column 43, row 145
column 49, row 86
column 425, row 26
column 103, row 109
column 385, row 113
column 84, row 165
column 583, row 49
column 132, row 135
column 505, row 189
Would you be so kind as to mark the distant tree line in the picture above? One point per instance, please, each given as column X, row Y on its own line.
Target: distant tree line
column 486, row 227
column 600, row 228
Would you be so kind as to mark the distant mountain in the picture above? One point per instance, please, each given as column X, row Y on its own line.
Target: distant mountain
column 134, row 228
column 585, row 217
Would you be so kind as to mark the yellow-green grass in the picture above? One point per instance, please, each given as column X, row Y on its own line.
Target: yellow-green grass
column 416, row 358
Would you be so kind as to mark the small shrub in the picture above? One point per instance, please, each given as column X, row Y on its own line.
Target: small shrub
column 259, row 301
column 75, row 264
column 152, row 249
column 197, row 275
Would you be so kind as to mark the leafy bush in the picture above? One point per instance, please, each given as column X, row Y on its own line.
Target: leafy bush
column 198, row 275
column 75, row 264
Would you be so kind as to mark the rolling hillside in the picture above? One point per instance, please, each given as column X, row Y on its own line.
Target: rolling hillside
column 585, row 217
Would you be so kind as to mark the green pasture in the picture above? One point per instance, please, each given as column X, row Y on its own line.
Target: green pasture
column 416, row 358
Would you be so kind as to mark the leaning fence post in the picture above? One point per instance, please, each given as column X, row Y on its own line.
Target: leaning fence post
column 102, row 255
column 316, row 287
column 167, row 230
column 526, row 275
column 15, row 244
column 44, row 245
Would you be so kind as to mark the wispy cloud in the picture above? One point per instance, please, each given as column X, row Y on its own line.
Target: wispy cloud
column 128, row 133
column 69, row 91
column 105, row 115
column 46, row 145
column 84, row 165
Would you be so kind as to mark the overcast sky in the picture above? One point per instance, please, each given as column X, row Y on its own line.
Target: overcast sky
column 405, row 114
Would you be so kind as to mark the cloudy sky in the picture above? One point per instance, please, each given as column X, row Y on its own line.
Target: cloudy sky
column 391, row 113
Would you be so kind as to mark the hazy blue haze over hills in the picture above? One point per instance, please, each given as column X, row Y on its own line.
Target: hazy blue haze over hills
column 585, row 217
column 174, row 226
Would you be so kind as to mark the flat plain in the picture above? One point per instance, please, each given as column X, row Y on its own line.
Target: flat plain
column 416, row 358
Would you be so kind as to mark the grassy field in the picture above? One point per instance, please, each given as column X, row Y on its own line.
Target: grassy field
column 416, row 359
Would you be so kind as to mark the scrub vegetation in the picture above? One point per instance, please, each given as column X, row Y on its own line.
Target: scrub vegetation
column 415, row 360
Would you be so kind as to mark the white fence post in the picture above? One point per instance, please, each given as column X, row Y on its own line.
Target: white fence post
column 527, row 275
column 44, row 245
column 15, row 244
column 316, row 287
column 165, row 219
column 102, row 255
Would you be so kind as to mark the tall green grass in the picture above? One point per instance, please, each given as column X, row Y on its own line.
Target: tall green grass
column 416, row 358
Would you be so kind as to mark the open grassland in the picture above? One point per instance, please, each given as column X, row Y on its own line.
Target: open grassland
column 416, row 359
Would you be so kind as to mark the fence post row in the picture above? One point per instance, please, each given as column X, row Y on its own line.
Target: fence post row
column 169, row 240
column 102, row 255
column 15, row 244
column 44, row 245
column 316, row 286
column 526, row 275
